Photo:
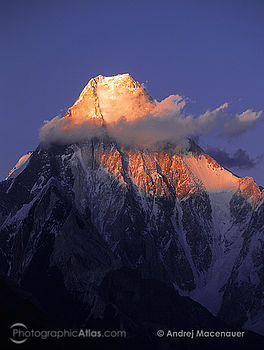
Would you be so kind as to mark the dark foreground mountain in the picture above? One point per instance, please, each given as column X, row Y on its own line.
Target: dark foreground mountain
column 128, row 302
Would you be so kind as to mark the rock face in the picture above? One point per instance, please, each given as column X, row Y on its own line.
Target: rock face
column 107, row 99
column 76, row 213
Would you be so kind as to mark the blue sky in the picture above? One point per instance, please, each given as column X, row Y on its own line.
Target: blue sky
column 209, row 51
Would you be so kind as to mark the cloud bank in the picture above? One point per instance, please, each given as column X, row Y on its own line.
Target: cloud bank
column 167, row 122
column 241, row 123
column 239, row 159
column 165, row 125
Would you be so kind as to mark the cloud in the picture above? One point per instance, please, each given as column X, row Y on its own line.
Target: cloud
column 165, row 123
column 239, row 159
column 241, row 123
column 62, row 131
column 171, row 105
column 135, row 120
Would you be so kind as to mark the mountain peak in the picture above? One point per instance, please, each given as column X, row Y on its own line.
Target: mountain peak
column 114, row 80
column 107, row 99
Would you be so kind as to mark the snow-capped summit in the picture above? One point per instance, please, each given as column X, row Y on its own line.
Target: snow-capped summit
column 107, row 99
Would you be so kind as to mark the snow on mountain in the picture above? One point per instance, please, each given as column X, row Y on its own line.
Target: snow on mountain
column 88, row 208
column 210, row 174
column 20, row 166
column 107, row 99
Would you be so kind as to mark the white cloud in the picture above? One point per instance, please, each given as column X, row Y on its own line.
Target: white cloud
column 167, row 122
column 241, row 123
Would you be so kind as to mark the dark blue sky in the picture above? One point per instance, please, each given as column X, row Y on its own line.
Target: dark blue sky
column 210, row 51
